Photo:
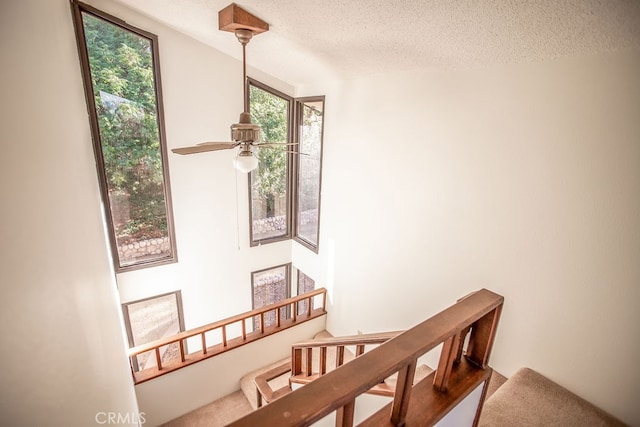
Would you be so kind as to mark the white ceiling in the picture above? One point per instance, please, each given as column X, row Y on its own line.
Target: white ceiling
column 315, row 39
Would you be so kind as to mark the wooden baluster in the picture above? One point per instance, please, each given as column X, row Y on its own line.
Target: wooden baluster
column 344, row 415
column 158, row 359
column 459, row 344
column 296, row 361
column 359, row 350
column 323, row 360
column 244, row 329
column 309, row 367
column 204, row 343
column 295, row 312
column 445, row 364
column 403, row 394
column 224, row 335
column 309, row 307
column 262, row 322
column 181, row 350
column 339, row 355
column 277, row 317
column 483, row 333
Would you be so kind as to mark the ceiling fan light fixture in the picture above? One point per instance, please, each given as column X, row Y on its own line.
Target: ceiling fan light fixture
column 245, row 162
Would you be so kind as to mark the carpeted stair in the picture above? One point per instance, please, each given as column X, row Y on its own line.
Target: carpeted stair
column 529, row 399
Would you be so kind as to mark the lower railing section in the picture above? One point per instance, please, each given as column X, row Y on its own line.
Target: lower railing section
column 474, row 317
column 229, row 333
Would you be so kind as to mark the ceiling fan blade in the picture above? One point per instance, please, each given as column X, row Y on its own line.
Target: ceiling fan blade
column 204, row 147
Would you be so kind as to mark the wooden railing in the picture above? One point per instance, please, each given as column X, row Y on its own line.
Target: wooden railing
column 227, row 339
column 304, row 358
column 422, row 404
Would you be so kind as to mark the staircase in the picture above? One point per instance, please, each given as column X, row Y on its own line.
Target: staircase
column 317, row 356
column 337, row 370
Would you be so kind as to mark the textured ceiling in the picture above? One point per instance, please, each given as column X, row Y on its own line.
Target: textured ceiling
column 311, row 39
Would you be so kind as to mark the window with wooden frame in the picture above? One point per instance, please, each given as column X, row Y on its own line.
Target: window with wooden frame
column 269, row 184
column 310, row 127
column 150, row 319
column 269, row 286
column 305, row 284
column 121, row 74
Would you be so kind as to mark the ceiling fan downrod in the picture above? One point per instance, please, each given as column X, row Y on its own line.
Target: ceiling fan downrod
column 244, row 131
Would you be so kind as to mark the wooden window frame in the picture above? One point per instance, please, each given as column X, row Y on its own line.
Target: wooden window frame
column 296, row 174
column 77, row 9
column 302, row 304
column 289, row 175
column 287, row 275
column 127, row 318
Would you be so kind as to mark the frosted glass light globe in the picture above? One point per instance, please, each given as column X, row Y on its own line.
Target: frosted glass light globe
column 246, row 163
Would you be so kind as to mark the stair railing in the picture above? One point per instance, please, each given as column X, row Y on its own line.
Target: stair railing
column 307, row 354
column 228, row 338
column 461, row 369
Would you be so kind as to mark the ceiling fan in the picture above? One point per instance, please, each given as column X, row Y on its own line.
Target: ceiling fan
column 244, row 134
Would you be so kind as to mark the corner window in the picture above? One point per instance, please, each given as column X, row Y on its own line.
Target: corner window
column 150, row 319
column 122, row 84
column 310, row 126
column 270, row 286
column 305, row 284
column 269, row 200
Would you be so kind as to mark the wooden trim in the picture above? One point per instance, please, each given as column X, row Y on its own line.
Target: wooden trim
column 402, row 396
column 231, row 342
column 78, row 8
column 426, row 404
column 376, row 338
column 289, row 190
column 233, row 17
column 263, row 389
column 295, row 199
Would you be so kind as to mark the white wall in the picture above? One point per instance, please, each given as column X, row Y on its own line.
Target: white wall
column 213, row 378
column 62, row 345
column 522, row 179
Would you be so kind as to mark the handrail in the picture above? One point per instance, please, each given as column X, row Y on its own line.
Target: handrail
column 305, row 348
column 227, row 342
column 348, row 340
column 264, row 392
column 420, row 404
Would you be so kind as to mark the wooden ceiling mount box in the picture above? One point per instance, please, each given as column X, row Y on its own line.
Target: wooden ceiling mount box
column 233, row 17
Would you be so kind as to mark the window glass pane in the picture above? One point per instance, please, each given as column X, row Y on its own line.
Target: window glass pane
column 305, row 284
column 269, row 201
column 151, row 319
column 270, row 286
column 126, row 116
column 308, row 197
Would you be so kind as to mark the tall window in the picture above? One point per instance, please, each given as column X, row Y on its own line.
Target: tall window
column 122, row 84
column 309, row 172
column 269, row 196
column 150, row 319
column 270, row 286
column 305, row 284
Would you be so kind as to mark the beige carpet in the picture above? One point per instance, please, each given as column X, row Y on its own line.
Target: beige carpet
column 216, row 414
column 530, row 399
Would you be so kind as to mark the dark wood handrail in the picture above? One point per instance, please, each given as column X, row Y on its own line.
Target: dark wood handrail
column 348, row 340
column 264, row 392
column 455, row 377
column 228, row 342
